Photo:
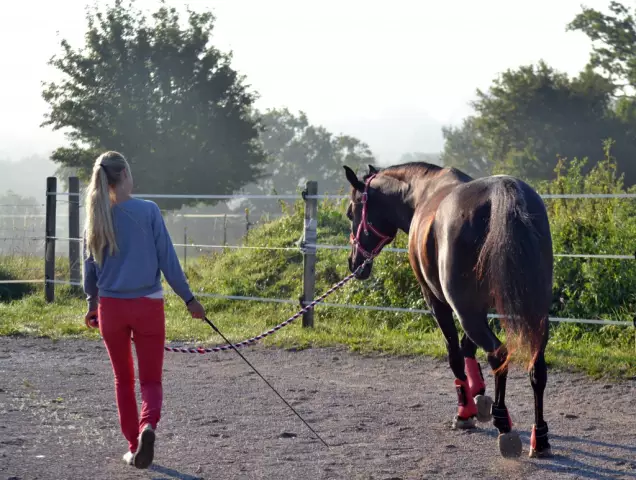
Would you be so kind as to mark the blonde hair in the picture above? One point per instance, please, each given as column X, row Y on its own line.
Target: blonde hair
column 99, row 230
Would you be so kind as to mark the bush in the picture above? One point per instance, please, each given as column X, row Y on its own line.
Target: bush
column 592, row 288
column 583, row 288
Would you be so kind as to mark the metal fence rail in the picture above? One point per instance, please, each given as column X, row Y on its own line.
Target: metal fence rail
column 309, row 247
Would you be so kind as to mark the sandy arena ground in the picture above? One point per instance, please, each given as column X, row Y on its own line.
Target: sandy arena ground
column 384, row 417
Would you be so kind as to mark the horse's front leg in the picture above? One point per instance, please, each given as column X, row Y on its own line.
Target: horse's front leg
column 476, row 380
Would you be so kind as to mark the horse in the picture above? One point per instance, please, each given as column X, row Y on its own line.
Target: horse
column 473, row 245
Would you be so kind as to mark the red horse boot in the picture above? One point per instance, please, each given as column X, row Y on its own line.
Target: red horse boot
column 478, row 390
column 475, row 377
column 466, row 408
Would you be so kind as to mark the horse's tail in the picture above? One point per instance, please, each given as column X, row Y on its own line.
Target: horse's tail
column 511, row 260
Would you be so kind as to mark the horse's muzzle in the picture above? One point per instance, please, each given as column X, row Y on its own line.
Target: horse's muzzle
column 363, row 274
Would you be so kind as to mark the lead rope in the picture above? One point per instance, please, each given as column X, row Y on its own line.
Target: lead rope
column 268, row 384
column 253, row 340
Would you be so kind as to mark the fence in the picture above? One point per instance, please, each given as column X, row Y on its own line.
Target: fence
column 21, row 227
column 309, row 246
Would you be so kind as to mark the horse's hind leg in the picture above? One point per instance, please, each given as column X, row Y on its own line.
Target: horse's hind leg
column 539, row 444
column 466, row 408
column 476, row 380
column 477, row 329
column 509, row 441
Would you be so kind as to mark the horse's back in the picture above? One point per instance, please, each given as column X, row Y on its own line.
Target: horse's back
column 463, row 220
column 466, row 210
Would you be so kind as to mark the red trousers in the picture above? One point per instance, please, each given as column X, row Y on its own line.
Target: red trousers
column 145, row 319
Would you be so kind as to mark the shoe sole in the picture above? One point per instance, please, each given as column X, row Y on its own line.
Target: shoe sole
column 128, row 461
column 146, row 450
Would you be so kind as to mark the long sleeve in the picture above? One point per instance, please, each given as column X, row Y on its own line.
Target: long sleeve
column 167, row 256
column 90, row 279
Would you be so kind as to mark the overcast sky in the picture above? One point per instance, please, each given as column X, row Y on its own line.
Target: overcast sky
column 388, row 72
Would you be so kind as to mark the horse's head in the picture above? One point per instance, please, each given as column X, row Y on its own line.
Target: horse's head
column 371, row 224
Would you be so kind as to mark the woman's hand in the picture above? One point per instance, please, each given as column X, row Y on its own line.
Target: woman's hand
column 196, row 309
column 91, row 320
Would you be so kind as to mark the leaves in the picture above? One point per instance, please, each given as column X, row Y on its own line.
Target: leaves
column 583, row 288
column 531, row 116
column 160, row 93
column 613, row 42
column 464, row 149
column 591, row 288
column 300, row 151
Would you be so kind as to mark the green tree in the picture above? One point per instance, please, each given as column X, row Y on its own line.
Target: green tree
column 613, row 43
column 299, row 151
column 160, row 93
column 408, row 157
column 613, row 37
column 12, row 202
column 531, row 116
column 463, row 149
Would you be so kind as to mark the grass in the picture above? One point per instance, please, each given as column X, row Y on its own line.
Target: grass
column 34, row 317
column 600, row 352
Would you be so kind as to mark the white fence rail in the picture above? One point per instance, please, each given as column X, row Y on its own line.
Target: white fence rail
column 319, row 246
column 307, row 248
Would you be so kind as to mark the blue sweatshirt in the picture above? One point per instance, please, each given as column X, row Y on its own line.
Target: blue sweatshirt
column 145, row 250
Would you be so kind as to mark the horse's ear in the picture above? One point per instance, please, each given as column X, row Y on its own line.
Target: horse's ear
column 372, row 170
column 353, row 179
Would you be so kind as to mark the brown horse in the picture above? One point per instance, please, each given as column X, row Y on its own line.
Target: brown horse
column 473, row 245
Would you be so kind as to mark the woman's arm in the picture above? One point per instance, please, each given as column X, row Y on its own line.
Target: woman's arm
column 167, row 256
column 90, row 280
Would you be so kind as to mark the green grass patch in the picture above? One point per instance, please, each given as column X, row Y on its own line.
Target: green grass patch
column 583, row 288
column 32, row 316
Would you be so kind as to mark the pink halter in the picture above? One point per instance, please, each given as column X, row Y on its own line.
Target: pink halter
column 365, row 227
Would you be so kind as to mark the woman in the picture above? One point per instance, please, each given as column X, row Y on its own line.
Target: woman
column 126, row 248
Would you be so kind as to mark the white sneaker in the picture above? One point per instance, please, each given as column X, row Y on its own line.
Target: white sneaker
column 129, row 458
column 145, row 451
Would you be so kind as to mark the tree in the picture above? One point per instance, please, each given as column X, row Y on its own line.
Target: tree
column 613, row 54
column 299, row 151
column 13, row 202
column 409, row 157
column 20, row 176
column 463, row 149
column 614, row 38
column 532, row 115
column 160, row 93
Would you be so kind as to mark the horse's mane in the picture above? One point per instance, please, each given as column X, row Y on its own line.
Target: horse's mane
column 406, row 171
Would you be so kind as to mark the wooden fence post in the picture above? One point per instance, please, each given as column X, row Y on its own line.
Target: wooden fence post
column 309, row 250
column 74, row 246
column 49, row 242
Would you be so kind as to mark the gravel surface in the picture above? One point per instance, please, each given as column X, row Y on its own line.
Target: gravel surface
column 384, row 417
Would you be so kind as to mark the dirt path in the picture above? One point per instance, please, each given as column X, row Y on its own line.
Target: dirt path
column 388, row 418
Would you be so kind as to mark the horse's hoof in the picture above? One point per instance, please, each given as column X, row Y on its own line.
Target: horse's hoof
column 484, row 403
column 509, row 444
column 545, row 453
column 463, row 424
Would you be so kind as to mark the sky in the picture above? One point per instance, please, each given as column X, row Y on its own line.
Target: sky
column 390, row 73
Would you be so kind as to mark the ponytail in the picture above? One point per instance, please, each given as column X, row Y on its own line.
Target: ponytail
column 99, row 229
